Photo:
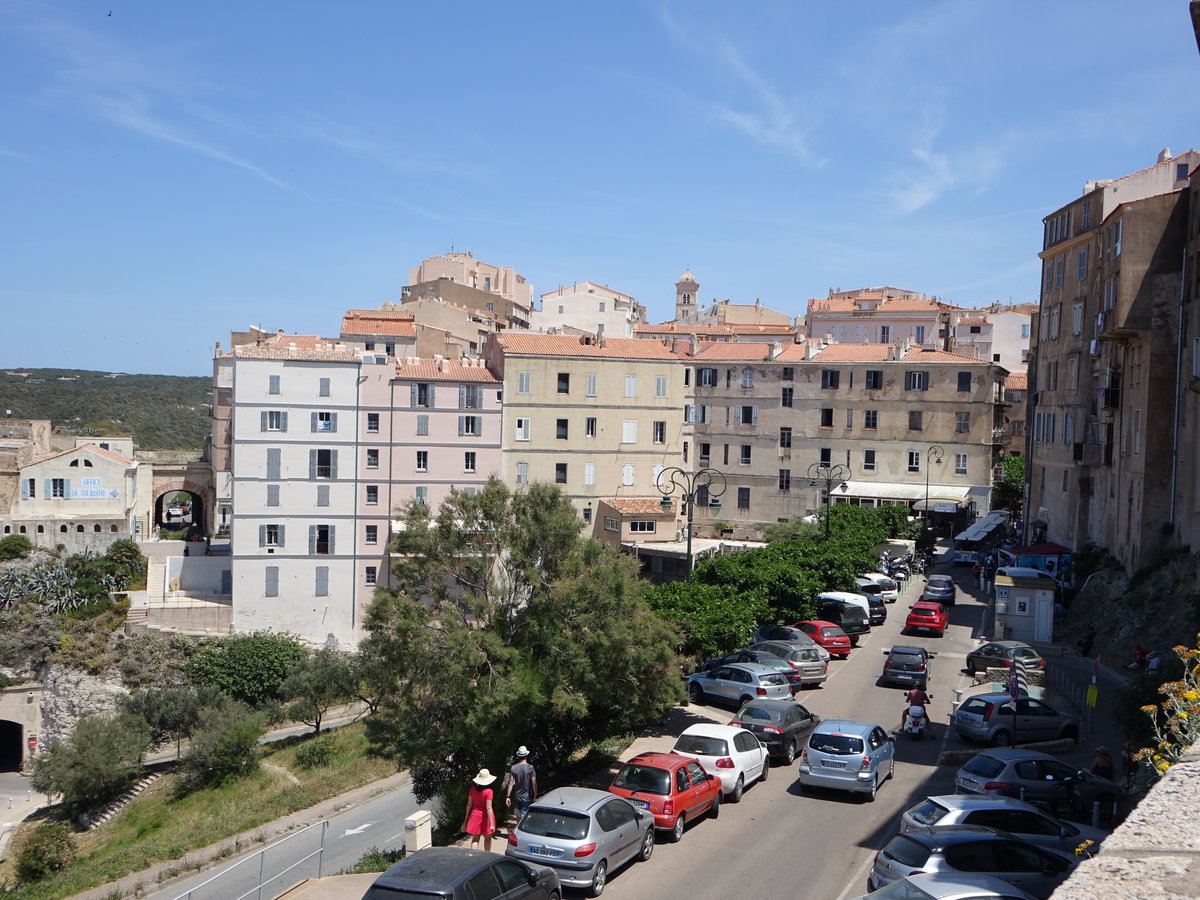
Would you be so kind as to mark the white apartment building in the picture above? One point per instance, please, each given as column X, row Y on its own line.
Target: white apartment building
column 588, row 308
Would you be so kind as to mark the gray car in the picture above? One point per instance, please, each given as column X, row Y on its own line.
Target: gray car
column 1042, row 778
column 989, row 718
column 940, row 589
column 907, row 665
column 949, row 886
column 738, row 683
column 583, row 835
column 974, row 850
column 806, row 658
column 844, row 755
column 1018, row 818
column 1000, row 655
column 456, row 873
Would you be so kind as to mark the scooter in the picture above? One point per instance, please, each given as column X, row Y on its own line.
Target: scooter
column 916, row 722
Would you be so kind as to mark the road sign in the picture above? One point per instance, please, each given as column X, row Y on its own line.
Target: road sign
column 1018, row 682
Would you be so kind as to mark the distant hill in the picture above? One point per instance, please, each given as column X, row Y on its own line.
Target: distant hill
column 163, row 412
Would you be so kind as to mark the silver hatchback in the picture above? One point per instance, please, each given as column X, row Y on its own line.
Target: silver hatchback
column 1018, row 818
column 804, row 658
column 583, row 835
column 738, row 683
column 990, row 718
column 844, row 755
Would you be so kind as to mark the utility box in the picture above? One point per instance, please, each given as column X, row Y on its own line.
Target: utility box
column 418, row 831
column 1024, row 608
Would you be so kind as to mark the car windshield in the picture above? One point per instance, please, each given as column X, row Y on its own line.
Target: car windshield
column 927, row 813
column 701, row 745
column 556, row 823
column 906, row 852
column 887, row 584
column 635, row 777
column 775, row 663
column 757, row 714
column 976, row 706
column 836, row 744
column 906, row 659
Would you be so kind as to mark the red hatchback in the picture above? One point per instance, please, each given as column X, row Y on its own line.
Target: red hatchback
column 828, row 635
column 674, row 788
column 927, row 616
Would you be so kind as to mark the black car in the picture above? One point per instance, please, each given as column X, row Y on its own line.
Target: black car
column 785, row 668
column 850, row 617
column 780, row 724
column 778, row 633
column 907, row 665
column 456, row 873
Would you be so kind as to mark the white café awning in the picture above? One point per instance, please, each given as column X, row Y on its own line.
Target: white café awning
column 890, row 490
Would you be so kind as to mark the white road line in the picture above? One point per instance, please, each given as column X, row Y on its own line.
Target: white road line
column 857, row 878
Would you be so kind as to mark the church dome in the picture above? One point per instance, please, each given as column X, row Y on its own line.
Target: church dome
column 687, row 277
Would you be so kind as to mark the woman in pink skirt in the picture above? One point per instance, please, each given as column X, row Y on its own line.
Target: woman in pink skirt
column 480, row 819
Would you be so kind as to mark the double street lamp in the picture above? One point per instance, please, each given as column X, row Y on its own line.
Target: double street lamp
column 932, row 455
column 674, row 480
column 831, row 476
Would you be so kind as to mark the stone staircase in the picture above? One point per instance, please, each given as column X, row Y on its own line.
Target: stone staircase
column 106, row 814
column 156, row 580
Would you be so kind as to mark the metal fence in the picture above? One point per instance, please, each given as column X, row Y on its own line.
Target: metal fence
column 220, row 885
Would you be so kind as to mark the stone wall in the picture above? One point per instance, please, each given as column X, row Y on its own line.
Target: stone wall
column 69, row 695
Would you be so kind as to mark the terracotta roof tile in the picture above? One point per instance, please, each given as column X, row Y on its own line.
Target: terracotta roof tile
column 378, row 321
column 328, row 353
column 638, row 506
column 456, row 370
column 875, row 353
column 681, row 328
column 734, row 350
column 973, row 320
column 527, row 343
column 1016, row 381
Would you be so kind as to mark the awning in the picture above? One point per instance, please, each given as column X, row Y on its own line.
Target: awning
column 957, row 494
column 886, row 490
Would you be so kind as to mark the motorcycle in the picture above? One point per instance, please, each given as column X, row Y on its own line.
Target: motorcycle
column 916, row 722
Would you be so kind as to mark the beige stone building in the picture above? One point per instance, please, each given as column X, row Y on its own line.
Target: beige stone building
column 880, row 315
column 465, row 281
column 588, row 308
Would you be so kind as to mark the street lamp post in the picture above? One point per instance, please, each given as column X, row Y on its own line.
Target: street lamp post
column 830, row 476
column 932, row 455
column 674, row 480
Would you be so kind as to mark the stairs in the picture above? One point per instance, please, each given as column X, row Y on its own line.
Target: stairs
column 90, row 821
column 156, row 581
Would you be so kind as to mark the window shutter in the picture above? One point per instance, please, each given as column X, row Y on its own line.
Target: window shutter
column 283, row 421
column 314, row 422
column 737, row 415
column 25, row 488
column 333, row 421
column 431, row 403
column 754, row 420
column 66, row 488
column 262, row 535
column 280, row 530
column 333, row 463
column 322, row 495
column 262, row 421
column 312, row 540
column 48, row 488
column 412, row 396
column 312, row 463
column 271, row 586
column 273, row 466
column 461, row 422
column 322, row 585
column 462, row 396
column 332, row 529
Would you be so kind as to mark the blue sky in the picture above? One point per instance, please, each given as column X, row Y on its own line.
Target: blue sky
column 174, row 171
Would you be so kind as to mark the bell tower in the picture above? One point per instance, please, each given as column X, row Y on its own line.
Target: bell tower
column 687, row 289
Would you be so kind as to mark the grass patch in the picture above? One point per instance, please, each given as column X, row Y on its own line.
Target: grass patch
column 375, row 860
column 161, row 826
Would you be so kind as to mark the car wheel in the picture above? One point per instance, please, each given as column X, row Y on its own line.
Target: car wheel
column 735, row 796
column 647, row 845
column 696, row 693
column 789, row 753
column 869, row 796
column 676, row 832
column 715, row 809
column 1002, row 738
column 891, row 770
column 1071, row 733
column 599, row 879
column 766, row 766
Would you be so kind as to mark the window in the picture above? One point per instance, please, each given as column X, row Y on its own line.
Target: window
column 885, row 334
column 869, row 460
column 1058, row 271
column 920, row 334
column 1081, row 259
column 1137, row 431
column 524, row 382
column 785, row 438
column 1072, row 374
column 916, row 381
column 372, row 495
column 914, row 460
column 611, row 523
column 640, row 527
column 962, row 422
column 1087, row 214
column 322, row 495
column 470, row 396
column 914, row 419
column 273, row 384
column 707, row 378
column 373, row 422
column 849, row 418
column 870, row 419
column 747, row 377
column 560, row 473
column 589, row 426
column 320, row 540
column 744, row 457
column 421, row 395
column 785, row 479
column 469, row 461
column 58, row 488
column 826, row 418
column 422, row 424
column 789, row 373
column 272, row 420
column 590, row 384
column 660, row 386
column 1025, row 329
column 422, row 460
column 746, row 415
column 830, row 379
column 560, row 429
column 273, row 462
column 421, row 495
column 522, row 473
column 372, row 458
column 1114, row 239
column 960, row 464
column 587, row 514
column 706, row 448
column 1054, row 316
column 964, row 382
column 272, row 495
column 628, row 475
column 321, row 581
column 323, row 387
column 522, row 429
column 324, row 421
column 826, row 456
column 270, row 535
column 660, row 432
column 630, row 385
column 564, row 382
column 785, row 396
column 371, row 534
column 629, row 431
column 601, row 306
column 271, row 579
column 370, row 573
column 743, row 498
column 29, row 489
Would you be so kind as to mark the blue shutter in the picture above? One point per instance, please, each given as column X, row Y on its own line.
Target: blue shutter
column 462, row 396
column 314, row 422
column 461, row 421
column 332, row 529
column 431, row 403
column 48, row 488
column 262, row 535
column 280, row 529
column 754, row 421
column 312, row 540
column 312, row 463
column 412, row 395
column 67, row 488
column 737, row 415
column 25, row 482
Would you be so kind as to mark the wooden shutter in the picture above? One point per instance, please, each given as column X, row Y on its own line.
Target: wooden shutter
column 333, row 421
column 754, row 420
column 737, row 415
column 312, row 540
column 313, row 427
column 412, row 396
column 332, row 529
column 312, row 463
column 263, row 420
column 461, row 423
column 280, row 531
column 262, row 535
column 462, row 397
column 25, row 483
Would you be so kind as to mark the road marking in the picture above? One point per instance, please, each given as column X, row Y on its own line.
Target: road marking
column 856, row 877
column 359, row 830
column 394, row 837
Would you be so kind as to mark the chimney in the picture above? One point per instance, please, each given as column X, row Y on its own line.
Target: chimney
column 1164, row 154
column 776, row 349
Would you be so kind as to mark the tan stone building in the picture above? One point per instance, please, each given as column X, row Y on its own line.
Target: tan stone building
column 880, row 315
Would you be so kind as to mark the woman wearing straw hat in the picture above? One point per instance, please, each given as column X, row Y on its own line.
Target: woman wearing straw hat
column 480, row 818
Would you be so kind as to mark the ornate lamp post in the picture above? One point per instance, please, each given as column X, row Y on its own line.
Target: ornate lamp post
column 932, row 455
column 831, row 477
column 674, row 480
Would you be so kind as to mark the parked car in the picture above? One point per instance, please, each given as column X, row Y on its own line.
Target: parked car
column 989, row 718
column 850, row 617
column 456, row 873
column 732, row 754
column 786, row 633
column 845, row 755
column 175, row 511
column 770, row 660
column 973, row 849
column 1044, row 780
column 1018, row 818
column 583, row 834
column 876, row 610
column 948, row 886
column 940, row 589
column 827, row 635
column 782, row 725
column 1000, row 654
column 907, row 665
column 810, row 660
column 889, row 588
column 925, row 616
column 674, row 789
column 738, row 682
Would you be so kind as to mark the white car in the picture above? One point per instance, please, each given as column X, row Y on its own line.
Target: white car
column 734, row 755
column 174, row 510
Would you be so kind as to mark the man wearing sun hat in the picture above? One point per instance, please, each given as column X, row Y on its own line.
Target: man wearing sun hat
column 522, row 783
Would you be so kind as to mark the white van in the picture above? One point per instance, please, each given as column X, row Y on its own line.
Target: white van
column 857, row 600
column 889, row 589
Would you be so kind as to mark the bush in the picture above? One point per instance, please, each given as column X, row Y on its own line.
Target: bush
column 311, row 756
column 95, row 763
column 224, row 744
column 248, row 667
column 375, row 860
column 44, row 849
column 15, row 546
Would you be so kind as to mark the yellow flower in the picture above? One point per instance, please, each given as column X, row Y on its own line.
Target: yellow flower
column 1191, row 696
column 1150, row 708
column 1163, row 766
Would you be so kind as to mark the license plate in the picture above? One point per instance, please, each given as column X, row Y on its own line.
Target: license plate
column 640, row 804
column 833, row 764
column 551, row 852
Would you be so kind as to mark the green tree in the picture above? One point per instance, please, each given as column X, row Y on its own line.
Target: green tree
column 15, row 546
column 224, row 744
column 95, row 763
column 171, row 713
column 1009, row 492
column 248, row 667
column 324, row 680
column 504, row 627
column 711, row 620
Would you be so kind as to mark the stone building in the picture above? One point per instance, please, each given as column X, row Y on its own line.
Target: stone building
column 588, row 308
column 880, row 316
column 463, row 280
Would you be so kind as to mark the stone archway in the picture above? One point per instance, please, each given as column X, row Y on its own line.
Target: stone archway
column 201, row 505
column 12, row 750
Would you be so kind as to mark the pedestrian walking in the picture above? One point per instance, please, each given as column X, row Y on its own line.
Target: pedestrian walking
column 977, row 571
column 480, row 819
column 522, row 783
column 1102, row 765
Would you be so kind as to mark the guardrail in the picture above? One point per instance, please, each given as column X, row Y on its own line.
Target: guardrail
column 262, row 856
